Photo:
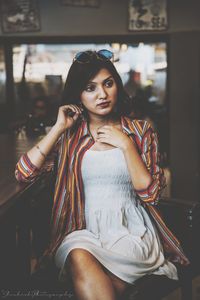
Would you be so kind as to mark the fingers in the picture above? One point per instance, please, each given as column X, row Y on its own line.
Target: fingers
column 101, row 136
column 101, row 129
column 75, row 117
column 104, row 129
column 72, row 110
column 77, row 109
column 103, row 133
column 109, row 134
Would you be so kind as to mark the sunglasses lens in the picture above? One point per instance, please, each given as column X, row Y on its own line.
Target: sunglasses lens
column 83, row 57
column 105, row 53
column 86, row 56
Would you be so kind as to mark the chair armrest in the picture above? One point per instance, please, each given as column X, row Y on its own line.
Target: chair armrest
column 183, row 218
column 188, row 210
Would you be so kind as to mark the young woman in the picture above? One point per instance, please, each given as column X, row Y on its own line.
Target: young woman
column 106, row 231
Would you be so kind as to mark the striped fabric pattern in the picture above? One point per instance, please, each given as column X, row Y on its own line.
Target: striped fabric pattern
column 147, row 143
column 25, row 171
column 68, row 208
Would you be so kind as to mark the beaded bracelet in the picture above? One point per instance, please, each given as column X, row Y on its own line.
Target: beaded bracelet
column 41, row 151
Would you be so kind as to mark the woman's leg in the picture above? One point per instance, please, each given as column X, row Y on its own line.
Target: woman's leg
column 89, row 279
column 119, row 285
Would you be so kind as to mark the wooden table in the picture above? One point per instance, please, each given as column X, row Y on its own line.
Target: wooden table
column 15, row 206
column 11, row 148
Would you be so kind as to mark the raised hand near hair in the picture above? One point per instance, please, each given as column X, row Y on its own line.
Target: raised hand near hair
column 67, row 116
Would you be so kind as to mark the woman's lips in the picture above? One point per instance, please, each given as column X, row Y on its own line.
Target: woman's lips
column 104, row 104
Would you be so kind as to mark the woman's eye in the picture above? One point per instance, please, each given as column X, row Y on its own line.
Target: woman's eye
column 109, row 83
column 90, row 88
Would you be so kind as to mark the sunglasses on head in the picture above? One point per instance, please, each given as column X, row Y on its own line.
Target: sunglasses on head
column 87, row 56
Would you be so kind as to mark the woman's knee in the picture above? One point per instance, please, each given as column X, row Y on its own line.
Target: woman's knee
column 78, row 261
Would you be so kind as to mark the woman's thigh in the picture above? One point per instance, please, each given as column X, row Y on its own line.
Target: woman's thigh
column 83, row 262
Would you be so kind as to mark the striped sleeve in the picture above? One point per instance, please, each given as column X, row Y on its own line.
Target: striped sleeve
column 151, row 157
column 26, row 171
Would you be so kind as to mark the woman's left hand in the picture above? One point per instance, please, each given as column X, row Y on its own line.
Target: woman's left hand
column 113, row 136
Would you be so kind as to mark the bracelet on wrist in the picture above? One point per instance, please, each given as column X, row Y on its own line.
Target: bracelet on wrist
column 42, row 153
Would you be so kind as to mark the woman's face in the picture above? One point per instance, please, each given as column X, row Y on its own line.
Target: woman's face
column 100, row 94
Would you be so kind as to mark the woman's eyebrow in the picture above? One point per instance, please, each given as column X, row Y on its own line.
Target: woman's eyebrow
column 103, row 80
column 108, row 78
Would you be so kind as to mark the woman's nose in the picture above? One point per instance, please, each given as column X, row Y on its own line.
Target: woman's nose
column 102, row 92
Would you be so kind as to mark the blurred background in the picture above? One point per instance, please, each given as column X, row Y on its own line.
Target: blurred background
column 159, row 65
column 159, row 68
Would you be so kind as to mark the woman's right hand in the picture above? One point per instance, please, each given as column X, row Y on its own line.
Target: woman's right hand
column 64, row 120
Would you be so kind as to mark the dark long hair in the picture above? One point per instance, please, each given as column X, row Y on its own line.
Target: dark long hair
column 81, row 73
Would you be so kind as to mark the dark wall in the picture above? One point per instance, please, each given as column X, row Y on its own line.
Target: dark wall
column 184, row 96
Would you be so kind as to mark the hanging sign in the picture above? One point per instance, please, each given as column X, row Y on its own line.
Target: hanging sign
column 147, row 15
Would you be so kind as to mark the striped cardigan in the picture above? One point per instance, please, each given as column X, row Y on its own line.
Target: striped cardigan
column 68, row 206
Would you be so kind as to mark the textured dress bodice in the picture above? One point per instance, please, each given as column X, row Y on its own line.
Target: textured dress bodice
column 111, row 207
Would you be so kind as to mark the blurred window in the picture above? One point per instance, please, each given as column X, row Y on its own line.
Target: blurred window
column 40, row 71
column 44, row 67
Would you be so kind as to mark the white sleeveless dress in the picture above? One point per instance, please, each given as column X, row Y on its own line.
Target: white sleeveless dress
column 119, row 232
